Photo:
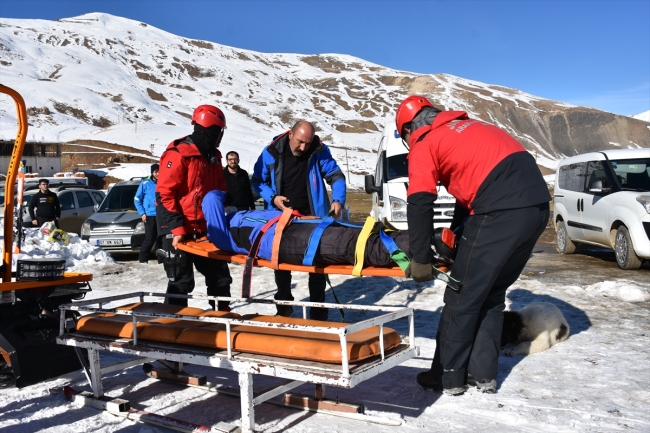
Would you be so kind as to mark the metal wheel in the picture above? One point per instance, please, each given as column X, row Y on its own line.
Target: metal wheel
column 564, row 243
column 625, row 255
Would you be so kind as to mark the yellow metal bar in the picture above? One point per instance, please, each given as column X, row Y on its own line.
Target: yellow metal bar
column 14, row 164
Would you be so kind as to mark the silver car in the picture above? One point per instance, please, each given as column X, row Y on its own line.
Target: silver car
column 77, row 204
column 117, row 225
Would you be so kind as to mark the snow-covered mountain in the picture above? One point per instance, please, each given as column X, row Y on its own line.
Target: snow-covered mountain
column 645, row 116
column 109, row 79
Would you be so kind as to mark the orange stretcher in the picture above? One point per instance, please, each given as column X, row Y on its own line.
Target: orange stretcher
column 297, row 349
column 203, row 247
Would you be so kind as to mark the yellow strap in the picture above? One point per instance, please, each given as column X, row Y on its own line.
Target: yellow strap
column 360, row 249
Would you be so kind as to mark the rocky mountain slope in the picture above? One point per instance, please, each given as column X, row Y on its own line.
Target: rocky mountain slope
column 101, row 77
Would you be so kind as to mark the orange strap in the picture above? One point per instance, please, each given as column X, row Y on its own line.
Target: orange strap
column 285, row 219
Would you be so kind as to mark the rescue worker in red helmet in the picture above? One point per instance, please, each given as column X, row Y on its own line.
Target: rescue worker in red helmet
column 501, row 192
column 191, row 167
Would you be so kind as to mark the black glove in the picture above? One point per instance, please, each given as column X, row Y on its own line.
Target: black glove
column 419, row 271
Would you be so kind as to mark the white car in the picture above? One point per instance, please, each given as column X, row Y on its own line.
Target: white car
column 603, row 199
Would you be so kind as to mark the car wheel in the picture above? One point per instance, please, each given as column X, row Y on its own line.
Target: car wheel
column 564, row 243
column 625, row 255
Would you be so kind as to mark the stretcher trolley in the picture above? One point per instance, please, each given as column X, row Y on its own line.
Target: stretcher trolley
column 296, row 349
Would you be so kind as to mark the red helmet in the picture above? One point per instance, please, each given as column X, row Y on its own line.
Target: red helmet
column 208, row 115
column 408, row 109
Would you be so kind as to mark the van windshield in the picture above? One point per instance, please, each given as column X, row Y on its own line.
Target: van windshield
column 119, row 199
column 632, row 174
column 397, row 166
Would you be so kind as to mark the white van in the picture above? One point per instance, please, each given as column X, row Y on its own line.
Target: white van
column 603, row 199
column 389, row 185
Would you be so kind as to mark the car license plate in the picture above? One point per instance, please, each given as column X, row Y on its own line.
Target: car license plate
column 108, row 242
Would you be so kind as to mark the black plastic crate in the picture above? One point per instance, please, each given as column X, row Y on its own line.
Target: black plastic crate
column 40, row 269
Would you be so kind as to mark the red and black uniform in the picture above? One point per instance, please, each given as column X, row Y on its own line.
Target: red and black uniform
column 185, row 177
column 497, row 183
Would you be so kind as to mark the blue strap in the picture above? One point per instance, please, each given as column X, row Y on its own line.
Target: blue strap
column 314, row 241
column 318, row 221
column 388, row 242
column 396, row 254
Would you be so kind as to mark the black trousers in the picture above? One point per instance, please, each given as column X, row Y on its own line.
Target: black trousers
column 492, row 252
column 150, row 237
column 45, row 219
column 317, row 285
column 216, row 273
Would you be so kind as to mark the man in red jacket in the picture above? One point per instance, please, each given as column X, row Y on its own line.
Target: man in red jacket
column 500, row 189
column 191, row 167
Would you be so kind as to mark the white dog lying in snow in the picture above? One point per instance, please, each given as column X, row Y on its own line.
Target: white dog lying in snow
column 534, row 328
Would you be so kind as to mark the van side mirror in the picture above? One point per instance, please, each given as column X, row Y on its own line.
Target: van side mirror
column 370, row 184
column 597, row 187
column 600, row 190
column 96, row 207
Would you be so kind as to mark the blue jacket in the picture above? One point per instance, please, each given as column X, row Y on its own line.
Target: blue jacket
column 267, row 176
column 145, row 197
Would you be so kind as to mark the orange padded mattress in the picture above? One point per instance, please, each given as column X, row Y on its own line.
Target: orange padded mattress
column 284, row 343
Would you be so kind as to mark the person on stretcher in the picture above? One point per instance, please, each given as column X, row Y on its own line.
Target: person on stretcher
column 302, row 244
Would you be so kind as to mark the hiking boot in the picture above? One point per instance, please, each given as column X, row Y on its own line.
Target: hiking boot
column 428, row 383
column 484, row 385
column 284, row 310
column 319, row 314
column 221, row 306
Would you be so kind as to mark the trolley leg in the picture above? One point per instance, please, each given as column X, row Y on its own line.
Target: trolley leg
column 246, row 398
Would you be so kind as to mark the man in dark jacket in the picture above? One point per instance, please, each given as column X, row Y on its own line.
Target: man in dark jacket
column 46, row 204
column 289, row 174
column 239, row 185
column 502, row 191
column 191, row 167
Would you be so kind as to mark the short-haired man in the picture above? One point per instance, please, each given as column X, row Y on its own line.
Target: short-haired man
column 498, row 185
column 239, row 185
column 145, row 203
column 46, row 204
column 289, row 174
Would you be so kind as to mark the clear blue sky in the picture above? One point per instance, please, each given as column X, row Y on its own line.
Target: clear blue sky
column 585, row 52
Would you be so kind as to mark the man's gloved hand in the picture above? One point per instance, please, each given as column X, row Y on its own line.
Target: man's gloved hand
column 419, row 271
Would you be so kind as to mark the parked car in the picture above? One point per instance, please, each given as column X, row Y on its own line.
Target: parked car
column 603, row 199
column 77, row 204
column 117, row 225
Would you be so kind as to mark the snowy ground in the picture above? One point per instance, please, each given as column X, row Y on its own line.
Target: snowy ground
column 597, row 380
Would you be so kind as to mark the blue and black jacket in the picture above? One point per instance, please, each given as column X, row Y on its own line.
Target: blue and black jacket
column 145, row 197
column 267, row 175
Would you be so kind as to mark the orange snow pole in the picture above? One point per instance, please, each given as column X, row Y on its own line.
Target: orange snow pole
column 10, row 180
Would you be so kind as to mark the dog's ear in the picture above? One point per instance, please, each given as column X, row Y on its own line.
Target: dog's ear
column 512, row 327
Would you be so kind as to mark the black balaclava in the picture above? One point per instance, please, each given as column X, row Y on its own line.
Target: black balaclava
column 424, row 117
column 205, row 140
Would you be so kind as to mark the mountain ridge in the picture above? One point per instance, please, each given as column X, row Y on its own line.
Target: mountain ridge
column 108, row 78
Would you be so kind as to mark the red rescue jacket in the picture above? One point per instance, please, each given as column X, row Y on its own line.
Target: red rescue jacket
column 185, row 177
column 459, row 152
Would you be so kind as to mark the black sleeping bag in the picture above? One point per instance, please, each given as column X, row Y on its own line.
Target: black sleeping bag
column 336, row 247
